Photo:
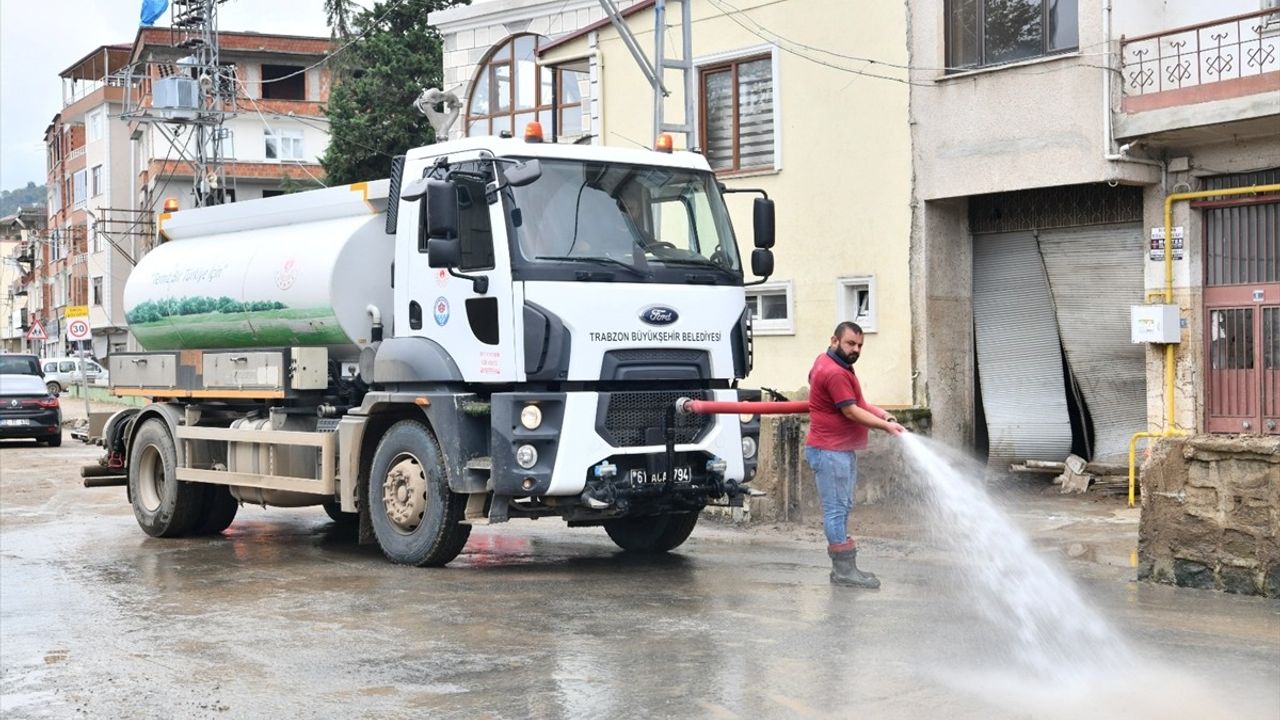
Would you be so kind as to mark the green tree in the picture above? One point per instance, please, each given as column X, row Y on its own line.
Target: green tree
column 395, row 56
column 338, row 15
column 30, row 195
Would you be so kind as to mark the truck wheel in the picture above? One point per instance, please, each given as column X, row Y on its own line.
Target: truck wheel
column 220, row 508
column 164, row 506
column 342, row 519
column 415, row 515
column 653, row 534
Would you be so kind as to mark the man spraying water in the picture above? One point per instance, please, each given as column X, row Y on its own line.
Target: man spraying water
column 840, row 420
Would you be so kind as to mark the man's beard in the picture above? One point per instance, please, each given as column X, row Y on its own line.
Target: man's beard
column 849, row 358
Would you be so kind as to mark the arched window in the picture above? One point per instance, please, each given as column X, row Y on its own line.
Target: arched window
column 511, row 89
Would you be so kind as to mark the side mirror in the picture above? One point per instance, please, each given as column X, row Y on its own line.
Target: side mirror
column 522, row 173
column 762, row 219
column 442, row 209
column 761, row 262
column 444, row 252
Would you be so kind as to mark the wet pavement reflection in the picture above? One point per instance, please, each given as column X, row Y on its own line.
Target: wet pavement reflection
column 286, row 616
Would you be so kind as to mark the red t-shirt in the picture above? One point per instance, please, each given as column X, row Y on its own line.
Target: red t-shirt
column 833, row 385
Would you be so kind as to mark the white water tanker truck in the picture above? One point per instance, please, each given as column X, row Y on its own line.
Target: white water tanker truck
column 500, row 330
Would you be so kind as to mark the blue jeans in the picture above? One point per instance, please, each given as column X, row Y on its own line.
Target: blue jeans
column 836, row 474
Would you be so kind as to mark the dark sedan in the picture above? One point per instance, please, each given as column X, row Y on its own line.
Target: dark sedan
column 27, row 410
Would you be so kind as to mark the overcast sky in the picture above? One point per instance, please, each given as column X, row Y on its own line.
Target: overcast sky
column 32, row 55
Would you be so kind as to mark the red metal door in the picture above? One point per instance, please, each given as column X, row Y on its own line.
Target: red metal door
column 1242, row 313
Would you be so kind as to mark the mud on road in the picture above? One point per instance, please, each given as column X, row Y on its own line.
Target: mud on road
column 286, row 616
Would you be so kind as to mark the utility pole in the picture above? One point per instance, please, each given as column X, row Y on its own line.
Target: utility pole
column 655, row 72
column 194, row 93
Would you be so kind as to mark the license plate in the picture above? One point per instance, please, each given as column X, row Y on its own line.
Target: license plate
column 14, row 423
column 640, row 476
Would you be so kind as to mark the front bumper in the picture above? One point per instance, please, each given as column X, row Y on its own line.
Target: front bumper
column 580, row 431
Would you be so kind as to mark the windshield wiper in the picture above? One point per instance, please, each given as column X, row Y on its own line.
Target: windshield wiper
column 692, row 262
column 595, row 261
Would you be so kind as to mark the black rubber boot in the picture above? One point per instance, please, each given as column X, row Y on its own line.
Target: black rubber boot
column 844, row 570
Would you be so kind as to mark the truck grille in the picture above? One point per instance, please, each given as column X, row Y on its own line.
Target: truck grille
column 626, row 418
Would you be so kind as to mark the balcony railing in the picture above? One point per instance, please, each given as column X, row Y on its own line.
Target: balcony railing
column 1239, row 48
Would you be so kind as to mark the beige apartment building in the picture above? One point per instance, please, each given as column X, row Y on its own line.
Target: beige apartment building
column 826, row 136
column 1043, row 150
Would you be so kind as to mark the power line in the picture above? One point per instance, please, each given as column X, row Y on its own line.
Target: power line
column 279, row 147
column 389, row 7
column 732, row 12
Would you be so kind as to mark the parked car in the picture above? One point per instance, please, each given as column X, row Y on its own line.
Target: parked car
column 29, row 410
column 62, row 372
column 20, row 364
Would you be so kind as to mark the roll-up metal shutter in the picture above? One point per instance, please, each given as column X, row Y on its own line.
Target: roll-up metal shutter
column 1019, row 352
column 1095, row 275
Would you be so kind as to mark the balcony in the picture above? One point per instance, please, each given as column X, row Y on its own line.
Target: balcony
column 1221, row 71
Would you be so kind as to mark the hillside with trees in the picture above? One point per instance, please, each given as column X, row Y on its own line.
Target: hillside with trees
column 11, row 200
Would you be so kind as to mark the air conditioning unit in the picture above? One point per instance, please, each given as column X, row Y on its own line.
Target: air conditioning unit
column 176, row 97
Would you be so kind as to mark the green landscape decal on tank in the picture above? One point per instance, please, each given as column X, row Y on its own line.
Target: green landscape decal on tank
column 203, row 322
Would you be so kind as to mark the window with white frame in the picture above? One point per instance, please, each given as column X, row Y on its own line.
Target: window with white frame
column 856, row 301
column 736, row 111
column 95, row 178
column 772, row 308
column 94, row 124
column 97, row 290
column 283, row 144
column 80, row 185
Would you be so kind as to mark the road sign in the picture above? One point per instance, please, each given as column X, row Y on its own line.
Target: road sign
column 77, row 329
column 36, row 331
column 76, row 311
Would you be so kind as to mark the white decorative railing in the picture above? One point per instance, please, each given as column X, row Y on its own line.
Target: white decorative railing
column 1231, row 48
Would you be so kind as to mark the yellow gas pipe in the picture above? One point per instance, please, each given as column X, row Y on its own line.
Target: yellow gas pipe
column 1169, row 429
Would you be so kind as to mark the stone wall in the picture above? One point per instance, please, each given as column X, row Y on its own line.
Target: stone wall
column 785, row 477
column 1211, row 514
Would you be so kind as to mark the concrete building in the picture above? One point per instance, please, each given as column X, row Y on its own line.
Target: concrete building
column 20, row 234
column 1046, row 136
column 110, row 167
column 771, row 113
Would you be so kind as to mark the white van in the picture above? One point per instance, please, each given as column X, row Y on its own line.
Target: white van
column 61, row 372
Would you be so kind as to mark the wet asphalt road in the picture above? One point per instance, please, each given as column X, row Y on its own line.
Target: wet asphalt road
column 286, row 616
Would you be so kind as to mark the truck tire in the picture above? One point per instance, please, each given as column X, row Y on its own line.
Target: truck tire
column 653, row 534
column 341, row 519
column 220, row 508
column 163, row 505
column 416, row 518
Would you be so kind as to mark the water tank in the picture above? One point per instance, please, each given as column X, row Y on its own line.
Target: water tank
column 294, row 270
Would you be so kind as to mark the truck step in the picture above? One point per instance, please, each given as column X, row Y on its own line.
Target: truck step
column 480, row 464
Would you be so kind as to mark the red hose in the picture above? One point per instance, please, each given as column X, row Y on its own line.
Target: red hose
column 722, row 407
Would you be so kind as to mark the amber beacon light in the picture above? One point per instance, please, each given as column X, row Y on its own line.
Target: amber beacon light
column 533, row 132
column 171, row 204
column 664, row 143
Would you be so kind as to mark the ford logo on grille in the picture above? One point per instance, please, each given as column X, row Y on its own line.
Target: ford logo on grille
column 658, row 315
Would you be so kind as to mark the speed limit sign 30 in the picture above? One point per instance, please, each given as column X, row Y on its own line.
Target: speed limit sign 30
column 78, row 329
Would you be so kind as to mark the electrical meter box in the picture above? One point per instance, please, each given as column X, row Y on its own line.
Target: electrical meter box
column 1155, row 324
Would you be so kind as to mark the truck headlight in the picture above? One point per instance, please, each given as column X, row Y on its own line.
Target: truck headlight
column 748, row 447
column 530, row 417
column 526, row 456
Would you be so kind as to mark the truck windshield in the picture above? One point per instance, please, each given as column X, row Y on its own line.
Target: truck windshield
column 629, row 223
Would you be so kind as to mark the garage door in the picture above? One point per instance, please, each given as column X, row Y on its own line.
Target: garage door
column 1019, row 352
column 1095, row 275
